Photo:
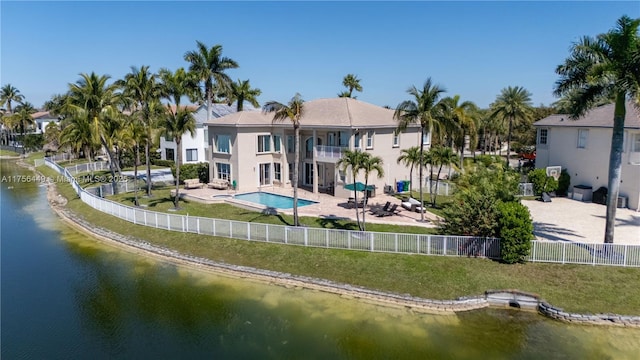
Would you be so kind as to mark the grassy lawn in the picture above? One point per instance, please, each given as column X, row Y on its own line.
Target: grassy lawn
column 441, row 201
column 8, row 153
column 576, row 288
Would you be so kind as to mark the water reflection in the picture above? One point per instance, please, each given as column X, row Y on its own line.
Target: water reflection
column 68, row 296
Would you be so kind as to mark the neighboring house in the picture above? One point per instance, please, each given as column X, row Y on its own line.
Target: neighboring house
column 44, row 118
column 582, row 147
column 194, row 149
column 248, row 148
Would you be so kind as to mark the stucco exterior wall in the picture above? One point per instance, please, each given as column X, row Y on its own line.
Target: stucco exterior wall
column 197, row 142
column 590, row 165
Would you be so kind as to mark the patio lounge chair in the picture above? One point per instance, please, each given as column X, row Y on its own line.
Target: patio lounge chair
column 384, row 208
column 413, row 205
column 392, row 211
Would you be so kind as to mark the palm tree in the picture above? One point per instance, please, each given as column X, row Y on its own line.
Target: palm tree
column 410, row 157
column 91, row 96
column 293, row 111
column 135, row 136
column 77, row 134
column 422, row 109
column 513, row 104
column 462, row 115
column 209, row 66
column 440, row 156
column 353, row 159
column 9, row 94
column 174, row 125
column 142, row 88
column 240, row 92
column 351, row 82
column 603, row 67
column 22, row 118
column 368, row 165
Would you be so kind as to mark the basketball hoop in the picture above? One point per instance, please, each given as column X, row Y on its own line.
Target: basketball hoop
column 554, row 171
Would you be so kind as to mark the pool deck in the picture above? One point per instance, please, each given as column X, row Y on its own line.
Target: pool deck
column 327, row 206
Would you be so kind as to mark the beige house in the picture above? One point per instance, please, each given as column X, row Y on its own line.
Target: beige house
column 251, row 151
column 582, row 147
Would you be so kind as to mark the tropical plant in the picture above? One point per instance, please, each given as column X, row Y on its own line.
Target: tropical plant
column 369, row 165
column 135, row 136
column 410, row 157
column 440, row 156
column 22, row 118
column 293, row 111
column 607, row 66
column 353, row 159
column 174, row 125
column 515, row 229
column 92, row 97
column 512, row 105
column 351, row 82
column 141, row 89
column 77, row 134
column 463, row 116
column 541, row 181
column 423, row 109
column 240, row 92
column 8, row 95
column 209, row 66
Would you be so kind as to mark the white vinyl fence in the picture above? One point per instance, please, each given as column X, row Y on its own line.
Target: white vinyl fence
column 541, row 251
column 443, row 188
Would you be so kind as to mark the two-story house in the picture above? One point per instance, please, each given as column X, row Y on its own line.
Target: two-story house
column 582, row 147
column 248, row 148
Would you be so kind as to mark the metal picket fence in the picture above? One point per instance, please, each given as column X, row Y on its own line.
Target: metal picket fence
column 444, row 245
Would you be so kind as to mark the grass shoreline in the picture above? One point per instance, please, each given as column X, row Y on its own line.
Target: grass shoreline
column 576, row 288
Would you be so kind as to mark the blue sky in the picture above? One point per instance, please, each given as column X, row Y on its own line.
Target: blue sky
column 473, row 49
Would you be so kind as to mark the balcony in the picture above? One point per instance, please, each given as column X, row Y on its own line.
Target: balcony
column 330, row 154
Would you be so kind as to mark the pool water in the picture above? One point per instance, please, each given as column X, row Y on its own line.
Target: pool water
column 272, row 200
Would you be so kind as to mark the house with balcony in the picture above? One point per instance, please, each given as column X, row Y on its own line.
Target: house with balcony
column 248, row 148
column 582, row 147
column 194, row 149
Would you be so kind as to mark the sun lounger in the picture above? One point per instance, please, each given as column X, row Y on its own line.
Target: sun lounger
column 413, row 205
column 384, row 208
column 393, row 210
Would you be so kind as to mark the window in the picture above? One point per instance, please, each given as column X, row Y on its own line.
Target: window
column 542, row 137
column 277, row 143
column 425, row 138
column 356, row 141
column 265, row 174
column 635, row 144
column 290, row 144
column 264, row 143
column 396, row 139
column 369, row 139
column 192, row 154
column 223, row 144
column 224, row 171
column 583, row 134
column 277, row 172
column 170, row 154
column 342, row 175
column 343, row 139
column 291, row 171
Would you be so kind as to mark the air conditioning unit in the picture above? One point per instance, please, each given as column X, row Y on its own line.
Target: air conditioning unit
column 622, row 202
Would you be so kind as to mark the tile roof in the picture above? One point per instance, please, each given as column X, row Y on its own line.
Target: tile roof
column 601, row 116
column 333, row 112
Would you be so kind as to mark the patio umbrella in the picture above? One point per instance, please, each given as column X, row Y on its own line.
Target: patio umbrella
column 358, row 186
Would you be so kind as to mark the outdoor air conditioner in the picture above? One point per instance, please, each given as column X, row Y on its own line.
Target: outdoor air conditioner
column 622, row 202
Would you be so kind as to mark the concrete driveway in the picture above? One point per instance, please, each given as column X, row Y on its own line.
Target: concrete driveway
column 570, row 220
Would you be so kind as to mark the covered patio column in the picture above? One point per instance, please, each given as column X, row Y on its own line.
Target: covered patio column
column 315, row 163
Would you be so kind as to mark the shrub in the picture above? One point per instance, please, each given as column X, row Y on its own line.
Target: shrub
column 471, row 214
column 541, row 182
column 195, row 171
column 563, row 183
column 515, row 229
column 167, row 163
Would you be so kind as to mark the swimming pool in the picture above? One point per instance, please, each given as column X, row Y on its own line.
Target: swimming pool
column 272, row 200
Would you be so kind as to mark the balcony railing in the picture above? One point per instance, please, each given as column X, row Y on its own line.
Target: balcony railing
column 328, row 153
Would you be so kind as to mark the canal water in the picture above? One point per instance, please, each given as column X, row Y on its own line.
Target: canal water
column 67, row 296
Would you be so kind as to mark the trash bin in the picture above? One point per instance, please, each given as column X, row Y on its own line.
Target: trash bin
column 400, row 186
column 406, row 185
column 600, row 196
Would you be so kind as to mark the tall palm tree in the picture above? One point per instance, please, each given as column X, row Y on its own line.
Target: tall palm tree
column 240, row 92
column 440, row 156
column 351, row 82
column 174, row 125
column 77, row 134
column 410, row 157
column 142, row 88
column 368, row 165
column 462, row 115
column 92, row 97
column 513, row 105
column 135, row 136
column 209, row 66
column 424, row 109
column 602, row 67
column 293, row 111
column 175, row 85
column 353, row 159
column 8, row 95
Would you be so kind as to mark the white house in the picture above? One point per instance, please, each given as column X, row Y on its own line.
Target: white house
column 250, row 150
column 194, row 149
column 582, row 147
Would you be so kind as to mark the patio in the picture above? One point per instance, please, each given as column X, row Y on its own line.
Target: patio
column 327, row 206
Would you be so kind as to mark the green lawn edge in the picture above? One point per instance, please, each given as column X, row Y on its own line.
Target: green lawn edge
column 575, row 288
